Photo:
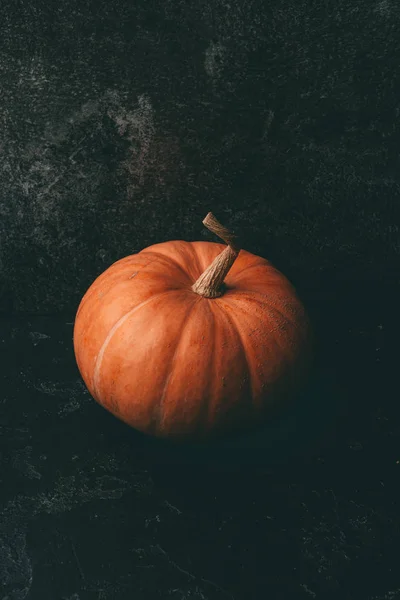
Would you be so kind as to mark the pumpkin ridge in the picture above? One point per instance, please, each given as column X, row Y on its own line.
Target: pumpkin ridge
column 275, row 338
column 160, row 405
column 245, row 383
column 276, row 329
column 245, row 268
column 288, row 318
column 234, row 324
column 114, row 328
column 115, row 274
column 291, row 318
column 206, row 406
column 168, row 259
column 270, row 308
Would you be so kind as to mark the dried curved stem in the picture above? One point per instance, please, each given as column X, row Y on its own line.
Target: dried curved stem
column 210, row 283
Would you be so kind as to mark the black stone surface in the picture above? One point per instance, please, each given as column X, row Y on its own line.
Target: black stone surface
column 122, row 124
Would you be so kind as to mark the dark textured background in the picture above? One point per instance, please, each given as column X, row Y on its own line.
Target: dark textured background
column 122, row 124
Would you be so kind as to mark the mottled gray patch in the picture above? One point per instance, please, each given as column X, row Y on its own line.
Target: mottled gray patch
column 37, row 337
column 72, row 395
column 391, row 595
column 214, row 60
column 21, row 460
column 384, row 8
column 308, row 590
column 137, row 126
column 70, row 492
column 16, row 575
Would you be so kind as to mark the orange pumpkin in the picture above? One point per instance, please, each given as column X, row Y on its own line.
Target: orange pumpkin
column 189, row 340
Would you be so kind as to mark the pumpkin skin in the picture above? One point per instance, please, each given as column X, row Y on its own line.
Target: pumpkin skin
column 174, row 364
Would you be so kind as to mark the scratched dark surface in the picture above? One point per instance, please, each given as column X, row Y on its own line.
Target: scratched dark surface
column 122, row 124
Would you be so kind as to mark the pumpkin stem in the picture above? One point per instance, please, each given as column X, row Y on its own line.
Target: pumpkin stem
column 210, row 283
